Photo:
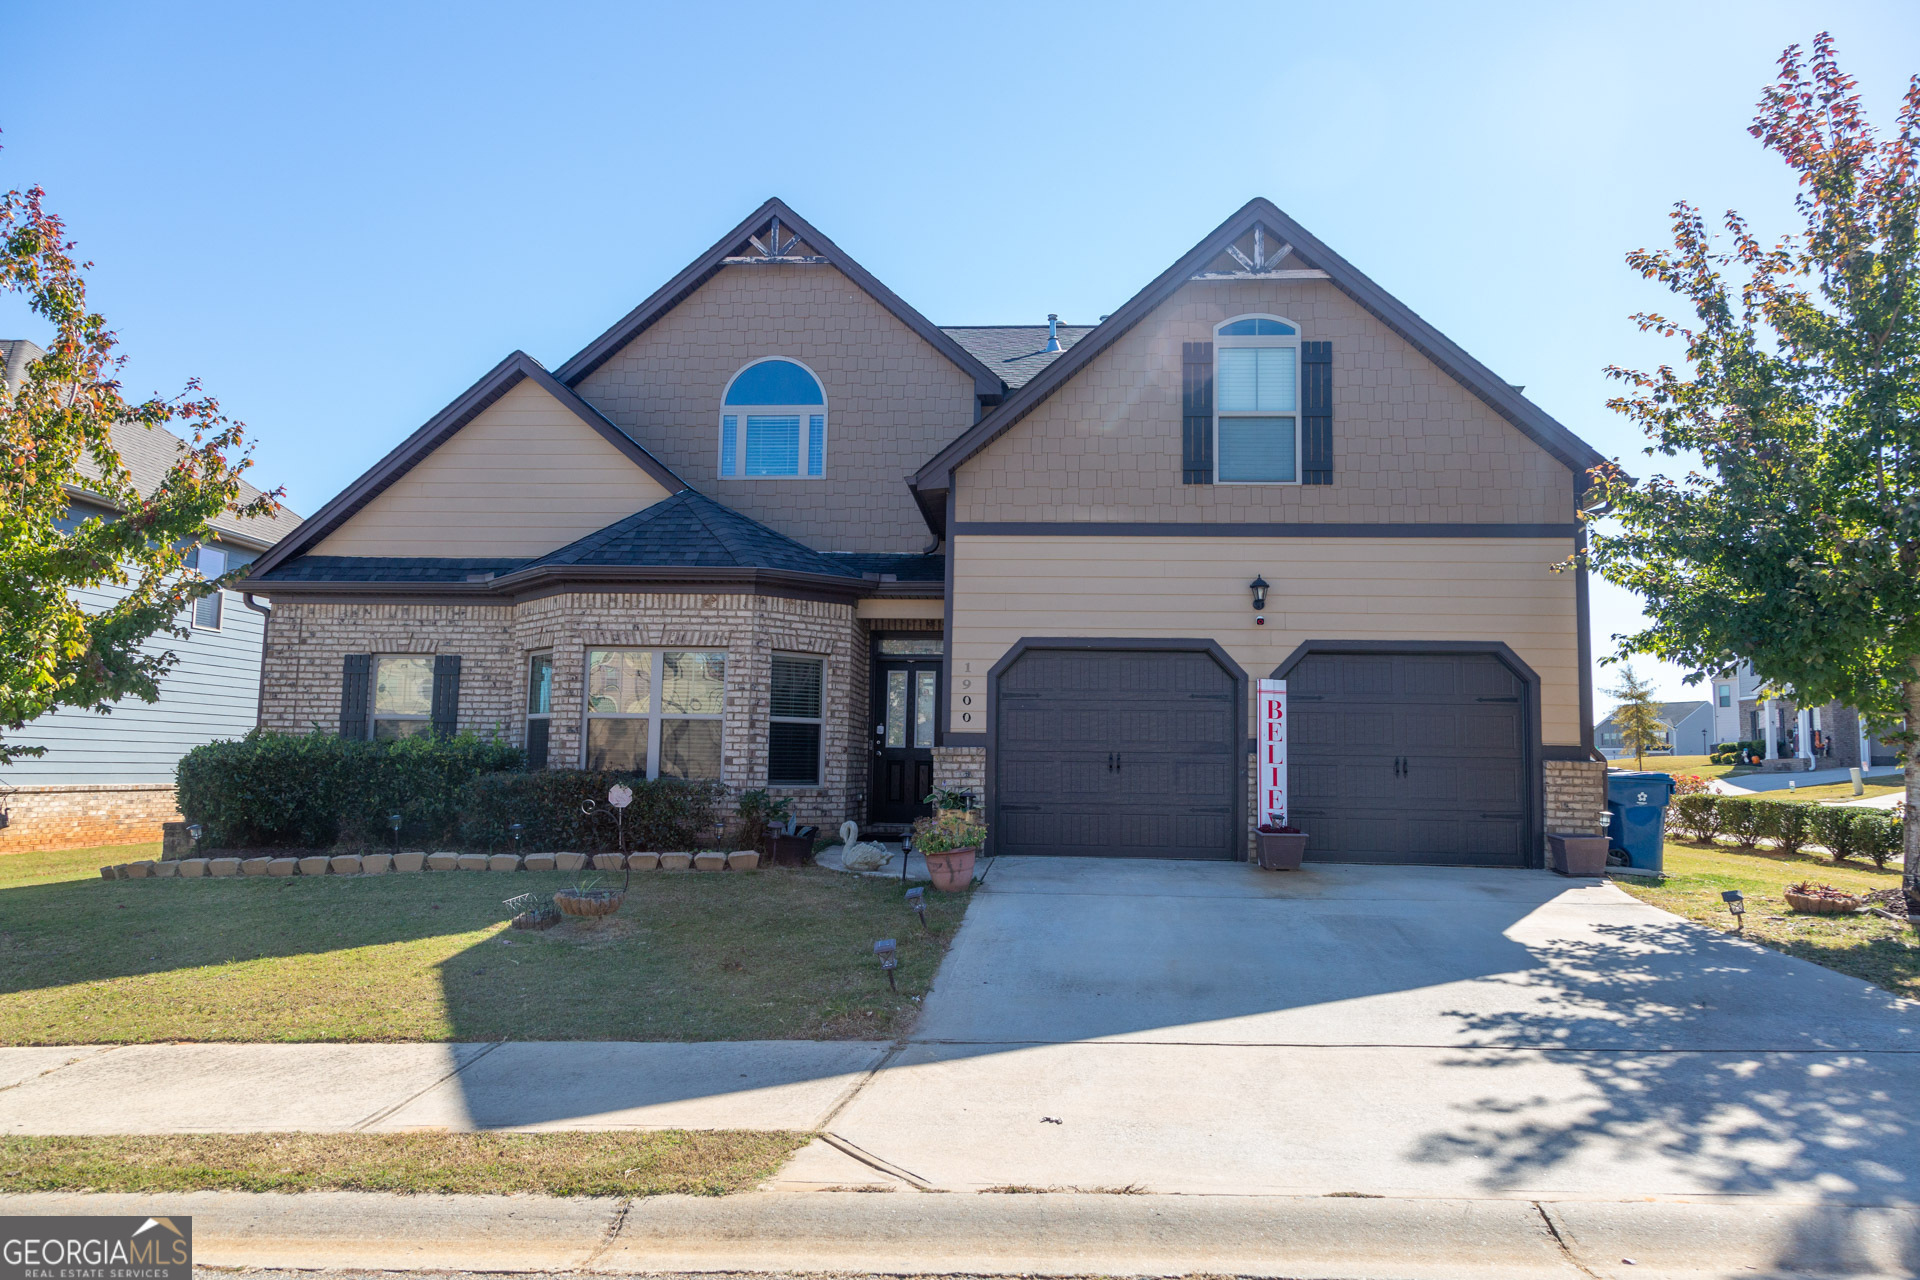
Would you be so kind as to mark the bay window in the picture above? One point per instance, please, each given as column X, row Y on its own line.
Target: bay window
column 655, row 711
column 795, row 721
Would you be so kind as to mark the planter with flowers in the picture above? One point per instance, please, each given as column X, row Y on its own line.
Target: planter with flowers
column 949, row 841
column 1281, row 847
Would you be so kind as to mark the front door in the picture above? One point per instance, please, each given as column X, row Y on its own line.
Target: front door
column 906, row 695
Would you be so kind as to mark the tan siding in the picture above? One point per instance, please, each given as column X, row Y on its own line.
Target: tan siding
column 895, row 609
column 1006, row 588
column 892, row 400
column 523, row 478
column 1410, row 443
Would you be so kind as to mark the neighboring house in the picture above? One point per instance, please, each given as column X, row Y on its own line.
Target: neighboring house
column 1833, row 736
column 776, row 528
column 1687, row 726
column 109, row 778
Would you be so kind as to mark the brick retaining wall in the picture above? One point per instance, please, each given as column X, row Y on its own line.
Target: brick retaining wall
column 80, row 816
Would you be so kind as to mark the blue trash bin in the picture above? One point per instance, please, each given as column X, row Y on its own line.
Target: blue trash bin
column 1637, row 811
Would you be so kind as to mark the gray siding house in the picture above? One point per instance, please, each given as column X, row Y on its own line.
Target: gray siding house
column 1689, row 727
column 109, row 778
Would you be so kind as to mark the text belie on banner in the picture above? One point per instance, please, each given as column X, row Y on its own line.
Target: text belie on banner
column 1272, row 746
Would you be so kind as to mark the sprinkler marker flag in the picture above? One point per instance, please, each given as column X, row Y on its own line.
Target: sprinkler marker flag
column 1271, row 747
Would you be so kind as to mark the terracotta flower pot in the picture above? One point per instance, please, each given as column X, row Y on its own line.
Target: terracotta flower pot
column 952, row 871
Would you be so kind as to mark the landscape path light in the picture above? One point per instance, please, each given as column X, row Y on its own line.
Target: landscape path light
column 514, row 829
column 889, row 957
column 393, row 820
column 917, row 902
column 1736, row 903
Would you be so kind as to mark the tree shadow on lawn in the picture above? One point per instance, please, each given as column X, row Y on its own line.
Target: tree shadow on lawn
column 1747, row 1073
column 430, row 957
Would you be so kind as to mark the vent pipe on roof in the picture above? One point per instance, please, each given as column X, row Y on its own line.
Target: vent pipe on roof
column 1053, row 332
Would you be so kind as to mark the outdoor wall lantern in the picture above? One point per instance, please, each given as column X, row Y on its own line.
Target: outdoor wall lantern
column 917, row 903
column 1736, row 903
column 1259, row 588
column 889, row 957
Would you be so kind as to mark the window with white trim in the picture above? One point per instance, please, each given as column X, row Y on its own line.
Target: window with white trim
column 796, row 721
column 655, row 711
column 402, row 696
column 773, row 422
column 210, row 562
column 1256, row 401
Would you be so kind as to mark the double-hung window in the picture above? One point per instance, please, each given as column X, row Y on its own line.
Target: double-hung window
column 1256, row 399
column 211, row 562
column 773, row 422
column 795, row 721
column 402, row 697
column 655, row 711
column 539, row 708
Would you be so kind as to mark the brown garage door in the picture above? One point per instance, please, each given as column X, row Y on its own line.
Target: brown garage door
column 1409, row 758
column 1117, row 753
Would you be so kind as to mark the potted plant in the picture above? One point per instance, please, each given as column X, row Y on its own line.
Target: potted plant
column 1281, row 846
column 949, row 800
column 949, row 841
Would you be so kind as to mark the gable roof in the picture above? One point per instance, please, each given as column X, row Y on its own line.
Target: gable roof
column 499, row 380
column 736, row 245
column 1668, row 713
column 1016, row 352
column 690, row 530
column 148, row 453
column 1528, row 418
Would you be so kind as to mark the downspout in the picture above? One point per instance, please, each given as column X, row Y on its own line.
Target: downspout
column 266, row 622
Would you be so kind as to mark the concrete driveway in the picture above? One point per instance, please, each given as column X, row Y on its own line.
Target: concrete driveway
column 1207, row 1027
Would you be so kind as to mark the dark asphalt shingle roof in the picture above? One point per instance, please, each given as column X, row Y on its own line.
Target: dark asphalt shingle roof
column 1017, row 352
column 385, row 569
column 907, row 568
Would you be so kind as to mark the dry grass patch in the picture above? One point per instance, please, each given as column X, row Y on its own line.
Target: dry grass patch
column 666, row 1162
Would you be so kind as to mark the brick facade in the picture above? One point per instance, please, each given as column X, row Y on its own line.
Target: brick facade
column 80, row 817
column 1576, row 796
column 309, row 639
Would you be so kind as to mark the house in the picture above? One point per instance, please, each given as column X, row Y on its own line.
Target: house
column 776, row 528
column 1833, row 736
column 1687, row 726
column 109, row 779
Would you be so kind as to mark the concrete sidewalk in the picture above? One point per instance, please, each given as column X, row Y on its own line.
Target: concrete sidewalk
column 1333, row 1238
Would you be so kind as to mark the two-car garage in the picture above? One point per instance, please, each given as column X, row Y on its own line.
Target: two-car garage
column 1413, row 754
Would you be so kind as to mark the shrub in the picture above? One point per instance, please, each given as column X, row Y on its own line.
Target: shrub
column 1792, row 826
column 1740, row 818
column 317, row 790
column 1877, row 835
column 667, row 814
column 756, row 811
column 1833, row 826
column 1698, row 816
column 1689, row 784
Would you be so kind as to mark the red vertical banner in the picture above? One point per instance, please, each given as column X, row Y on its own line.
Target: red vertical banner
column 1271, row 752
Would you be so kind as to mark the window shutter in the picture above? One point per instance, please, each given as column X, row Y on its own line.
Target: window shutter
column 356, row 694
column 1316, row 413
column 446, row 694
column 1196, row 410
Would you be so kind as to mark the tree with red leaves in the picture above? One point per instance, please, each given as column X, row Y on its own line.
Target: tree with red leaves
column 1795, row 541
column 56, row 424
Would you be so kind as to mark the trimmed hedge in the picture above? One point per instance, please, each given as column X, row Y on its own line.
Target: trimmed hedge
column 667, row 814
column 318, row 790
column 1844, row 831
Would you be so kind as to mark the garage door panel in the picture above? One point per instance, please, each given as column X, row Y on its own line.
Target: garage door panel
column 1462, row 795
column 1118, row 753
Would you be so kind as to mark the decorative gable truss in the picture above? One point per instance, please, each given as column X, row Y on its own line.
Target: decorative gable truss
column 1259, row 255
column 774, row 245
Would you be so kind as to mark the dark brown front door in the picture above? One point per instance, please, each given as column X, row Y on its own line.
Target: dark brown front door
column 906, row 697
column 1409, row 758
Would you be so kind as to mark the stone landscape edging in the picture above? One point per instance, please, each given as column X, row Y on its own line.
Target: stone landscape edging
column 352, row 864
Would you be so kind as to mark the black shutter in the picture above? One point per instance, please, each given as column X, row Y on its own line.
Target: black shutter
column 1196, row 412
column 356, row 696
column 446, row 694
column 1316, row 413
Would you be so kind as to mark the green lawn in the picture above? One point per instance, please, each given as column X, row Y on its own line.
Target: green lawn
column 1867, row 946
column 1699, row 765
column 662, row 1162
column 1876, row 785
column 775, row 954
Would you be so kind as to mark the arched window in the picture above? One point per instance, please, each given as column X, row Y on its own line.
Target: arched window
column 773, row 422
column 1256, row 401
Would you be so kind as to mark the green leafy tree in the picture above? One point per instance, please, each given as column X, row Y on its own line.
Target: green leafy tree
column 1637, row 716
column 56, row 425
column 1794, row 540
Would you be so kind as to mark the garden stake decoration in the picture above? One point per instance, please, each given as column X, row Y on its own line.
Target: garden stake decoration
column 917, row 902
column 1736, row 903
column 889, row 957
column 585, row 900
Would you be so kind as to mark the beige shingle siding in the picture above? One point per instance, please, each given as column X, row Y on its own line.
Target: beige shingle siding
column 525, row 477
column 1469, row 589
column 893, row 401
column 1410, row 443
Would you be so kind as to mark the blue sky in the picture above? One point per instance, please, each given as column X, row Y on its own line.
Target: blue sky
column 339, row 216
